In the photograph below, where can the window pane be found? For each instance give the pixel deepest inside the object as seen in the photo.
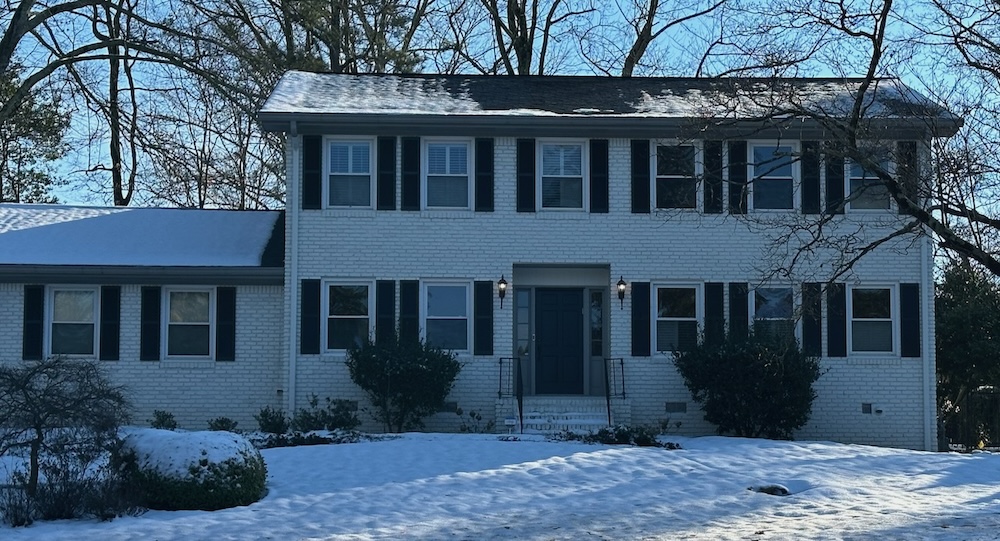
(772, 193)
(73, 306)
(437, 160)
(350, 190)
(72, 339)
(868, 194)
(675, 302)
(189, 307)
(448, 192)
(562, 192)
(871, 303)
(448, 333)
(458, 160)
(572, 160)
(360, 158)
(773, 303)
(188, 340)
(565, 160)
(675, 161)
(340, 158)
(551, 163)
(446, 301)
(772, 161)
(676, 335)
(673, 193)
(348, 300)
(774, 329)
(871, 335)
(342, 333)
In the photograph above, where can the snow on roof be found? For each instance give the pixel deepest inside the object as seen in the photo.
(68, 235)
(301, 92)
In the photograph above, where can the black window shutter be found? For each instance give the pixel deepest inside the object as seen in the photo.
(111, 306)
(812, 319)
(810, 177)
(310, 317)
(738, 177)
(907, 171)
(385, 311)
(739, 309)
(599, 175)
(526, 175)
(411, 173)
(715, 319)
(312, 171)
(909, 320)
(482, 307)
(409, 310)
(713, 177)
(641, 345)
(640, 178)
(149, 324)
(225, 324)
(34, 321)
(834, 181)
(836, 320)
(484, 175)
(386, 188)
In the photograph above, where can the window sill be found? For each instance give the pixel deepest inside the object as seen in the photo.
(568, 214)
(349, 213)
(461, 214)
(187, 364)
(873, 360)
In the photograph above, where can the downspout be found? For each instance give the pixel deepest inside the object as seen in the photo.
(292, 206)
(930, 381)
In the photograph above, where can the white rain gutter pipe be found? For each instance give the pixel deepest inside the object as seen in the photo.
(292, 182)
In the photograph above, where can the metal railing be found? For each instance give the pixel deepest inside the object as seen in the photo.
(614, 381)
(512, 385)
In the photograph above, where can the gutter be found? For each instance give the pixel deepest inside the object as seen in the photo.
(292, 288)
(140, 274)
(930, 383)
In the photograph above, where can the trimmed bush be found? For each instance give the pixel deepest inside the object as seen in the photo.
(164, 420)
(223, 424)
(272, 421)
(194, 470)
(337, 415)
(752, 386)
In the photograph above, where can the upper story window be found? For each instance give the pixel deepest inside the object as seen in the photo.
(73, 323)
(872, 326)
(677, 316)
(447, 175)
(350, 174)
(772, 312)
(562, 176)
(446, 319)
(866, 191)
(773, 183)
(189, 322)
(676, 181)
(348, 317)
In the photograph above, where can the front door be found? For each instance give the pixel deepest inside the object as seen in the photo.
(559, 347)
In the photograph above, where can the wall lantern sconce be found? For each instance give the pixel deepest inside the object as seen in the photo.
(501, 289)
(621, 291)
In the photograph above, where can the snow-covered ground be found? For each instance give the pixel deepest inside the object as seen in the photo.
(462, 486)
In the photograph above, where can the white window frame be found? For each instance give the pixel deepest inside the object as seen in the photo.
(165, 321)
(796, 302)
(584, 173)
(426, 143)
(325, 309)
(890, 167)
(795, 157)
(50, 294)
(699, 174)
(372, 173)
(699, 308)
(893, 319)
(424, 312)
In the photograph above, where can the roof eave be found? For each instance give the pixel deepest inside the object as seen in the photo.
(124, 274)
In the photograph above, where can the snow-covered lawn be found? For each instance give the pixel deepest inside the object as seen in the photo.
(463, 486)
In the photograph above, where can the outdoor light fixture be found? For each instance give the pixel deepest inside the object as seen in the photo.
(621, 291)
(501, 289)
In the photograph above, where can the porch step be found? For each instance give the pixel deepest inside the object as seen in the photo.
(549, 415)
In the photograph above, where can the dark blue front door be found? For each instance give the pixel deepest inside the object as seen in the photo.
(559, 341)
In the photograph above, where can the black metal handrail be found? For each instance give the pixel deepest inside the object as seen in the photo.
(614, 380)
(512, 385)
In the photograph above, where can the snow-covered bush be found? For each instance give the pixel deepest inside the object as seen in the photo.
(194, 470)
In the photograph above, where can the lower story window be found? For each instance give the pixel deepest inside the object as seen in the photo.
(74, 316)
(871, 320)
(189, 323)
(773, 313)
(446, 324)
(676, 318)
(348, 321)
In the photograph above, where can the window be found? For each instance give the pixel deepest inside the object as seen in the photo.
(447, 175)
(73, 324)
(189, 323)
(446, 323)
(350, 179)
(772, 316)
(348, 316)
(866, 189)
(871, 320)
(773, 180)
(562, 176)
(676, 184)
(676, 318)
